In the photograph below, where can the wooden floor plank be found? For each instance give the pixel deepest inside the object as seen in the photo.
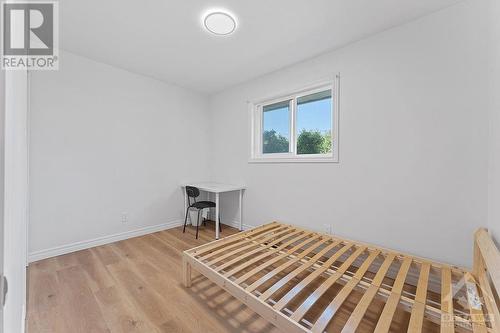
(144, 298)
(136, 286)
(133, 286)
(77, 298)
(105, 254)
(120, 314)
(45, 313)
(98, 276)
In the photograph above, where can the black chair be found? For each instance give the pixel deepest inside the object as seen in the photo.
(194, 192)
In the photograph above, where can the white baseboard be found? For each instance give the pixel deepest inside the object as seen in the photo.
(236, 224)
(82, 245)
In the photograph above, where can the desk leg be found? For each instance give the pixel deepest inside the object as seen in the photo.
(241, 210)
(216, 215)
(185, 204)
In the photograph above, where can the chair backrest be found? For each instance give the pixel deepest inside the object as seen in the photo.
(192, 192)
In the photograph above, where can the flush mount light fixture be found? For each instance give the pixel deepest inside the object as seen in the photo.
(219, 22)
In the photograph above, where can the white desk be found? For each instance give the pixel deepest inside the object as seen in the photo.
(217, 188)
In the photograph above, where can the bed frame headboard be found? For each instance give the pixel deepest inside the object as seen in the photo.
(486, 270)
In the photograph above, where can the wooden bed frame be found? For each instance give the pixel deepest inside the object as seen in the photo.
(304, 281)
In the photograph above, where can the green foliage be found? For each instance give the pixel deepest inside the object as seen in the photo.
(274, 143)
(314, 142)
(308, 142)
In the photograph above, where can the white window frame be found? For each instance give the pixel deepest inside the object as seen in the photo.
(256, 121)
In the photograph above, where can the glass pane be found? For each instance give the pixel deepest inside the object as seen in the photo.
(276, 128)
(314, 123)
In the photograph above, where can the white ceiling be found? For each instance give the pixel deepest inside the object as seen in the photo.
(165, 39)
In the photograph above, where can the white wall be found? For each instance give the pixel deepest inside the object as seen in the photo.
(494, 140)
(413, 144)
(106, 141)
(413, 140)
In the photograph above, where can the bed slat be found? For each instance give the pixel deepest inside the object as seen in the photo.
(304, 283)
(384, 322)
(246, 247)
(260, 248)
(200, 250)
(256, 238)
(270, 252)
(339, 299)
(303, 266)
(287, 264)
(279, 284)
(268, 263)
(313, 298)
(359, 312)
(418, 310)
(447, 322)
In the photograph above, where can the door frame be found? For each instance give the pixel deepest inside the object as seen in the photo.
(15, 197)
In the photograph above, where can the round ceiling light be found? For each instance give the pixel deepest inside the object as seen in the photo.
(219, 23)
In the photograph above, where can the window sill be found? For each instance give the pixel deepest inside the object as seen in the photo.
(259, 160)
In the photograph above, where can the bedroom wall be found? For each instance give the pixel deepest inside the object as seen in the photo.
(105, 141)
(494, 141)
(413, 140)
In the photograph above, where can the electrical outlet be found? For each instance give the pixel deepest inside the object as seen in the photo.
(327, 229)
(124, 217)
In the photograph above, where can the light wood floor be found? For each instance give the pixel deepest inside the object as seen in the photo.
(133, 286)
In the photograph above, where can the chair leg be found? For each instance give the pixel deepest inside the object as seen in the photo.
(198, 223)
(185, 221)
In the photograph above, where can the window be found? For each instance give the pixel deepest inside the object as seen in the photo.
(301, 127)
(276, 128)
(314, 123)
